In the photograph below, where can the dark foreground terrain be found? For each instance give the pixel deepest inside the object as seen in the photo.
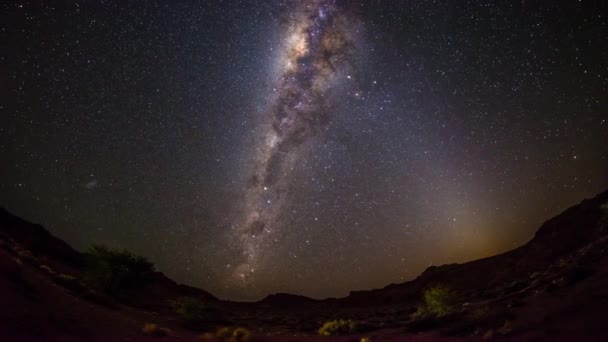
(555, 287)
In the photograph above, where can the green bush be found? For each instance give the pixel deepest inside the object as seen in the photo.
(118, 273)
(192, 311)
(438, 301)
(337, 327)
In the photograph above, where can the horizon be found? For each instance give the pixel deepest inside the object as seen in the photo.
(249, 300)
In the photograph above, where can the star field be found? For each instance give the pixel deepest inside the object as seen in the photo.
(312, 147)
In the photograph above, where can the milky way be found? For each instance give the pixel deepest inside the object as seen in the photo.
(317, 46)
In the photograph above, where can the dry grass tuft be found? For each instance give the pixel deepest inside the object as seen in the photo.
(238, 334)
(152, 329)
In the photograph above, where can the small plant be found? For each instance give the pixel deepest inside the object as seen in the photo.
(506, 328)
(438, 301)
(152, 329)
(488, 334)
(242, 334)
(223, 332)
(337, 327)
(238, 334)
(208, 336)
(192, 311)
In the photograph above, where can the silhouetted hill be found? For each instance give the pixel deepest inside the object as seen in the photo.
(287, 300)
(36, 239)
(558, 238)
(52, 251)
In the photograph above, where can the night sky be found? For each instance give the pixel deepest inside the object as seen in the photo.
(312, 147)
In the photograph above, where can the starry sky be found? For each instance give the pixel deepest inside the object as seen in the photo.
(312, 147)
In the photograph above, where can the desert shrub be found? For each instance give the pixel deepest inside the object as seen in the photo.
(337, 327)
(506, 328)
(193, 311)
(489, 334)
(152, 329)
(238, 334)
(242, 334)
(118, 273)
(208, 336)
(223, 332)
(438, 301)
